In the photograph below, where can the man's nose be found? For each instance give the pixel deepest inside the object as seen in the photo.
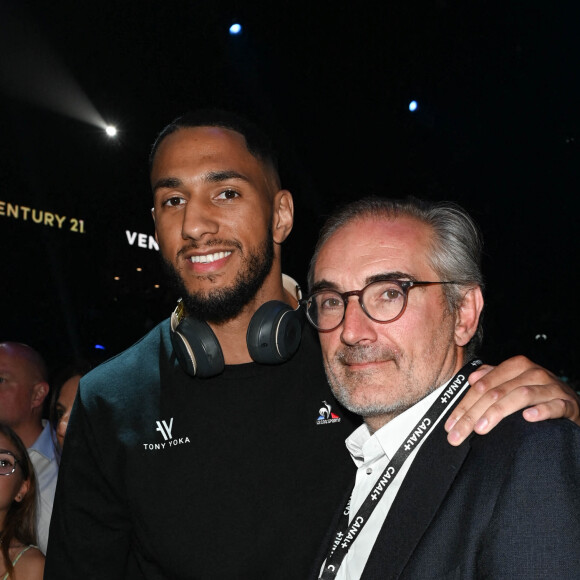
(357, 327)
(199, 219)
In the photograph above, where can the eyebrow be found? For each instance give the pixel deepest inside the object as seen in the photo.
(328, 285)
(217, 176)
(209, 177)
(167, 182)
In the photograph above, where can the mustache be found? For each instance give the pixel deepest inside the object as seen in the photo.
(360, 354)
(193, 245)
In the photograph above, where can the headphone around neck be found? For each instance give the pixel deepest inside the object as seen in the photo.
(273, 336)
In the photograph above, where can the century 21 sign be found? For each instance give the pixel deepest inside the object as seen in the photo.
(41, 217)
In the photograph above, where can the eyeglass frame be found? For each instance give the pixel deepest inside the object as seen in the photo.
(16, 460)
(405, 286)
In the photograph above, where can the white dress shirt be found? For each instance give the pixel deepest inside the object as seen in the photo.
(43, 457)
(371, 454)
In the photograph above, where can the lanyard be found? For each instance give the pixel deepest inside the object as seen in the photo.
(347, 533)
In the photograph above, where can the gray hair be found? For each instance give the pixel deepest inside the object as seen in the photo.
(455, 253)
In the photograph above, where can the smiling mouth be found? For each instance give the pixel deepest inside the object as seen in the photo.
(209, 258)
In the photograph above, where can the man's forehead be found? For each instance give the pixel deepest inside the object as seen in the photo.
(370, 245)
(16, 359)
(188, 147)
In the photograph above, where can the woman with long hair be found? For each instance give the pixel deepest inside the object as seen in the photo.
(20, 559)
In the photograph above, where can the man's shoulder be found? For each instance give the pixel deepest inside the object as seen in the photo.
(133, 366)
(519, 440)
(518, 429)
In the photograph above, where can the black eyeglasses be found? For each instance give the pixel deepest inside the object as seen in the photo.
(382, 301)
(7, 463)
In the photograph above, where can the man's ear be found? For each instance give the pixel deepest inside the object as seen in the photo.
(468, 316)
(39, 393)
(283, 217)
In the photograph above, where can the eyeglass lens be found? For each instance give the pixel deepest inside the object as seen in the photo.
(7, 463)
(382, 300)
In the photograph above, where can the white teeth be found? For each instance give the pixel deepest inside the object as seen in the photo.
(208, 258)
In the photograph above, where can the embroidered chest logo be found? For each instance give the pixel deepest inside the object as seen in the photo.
(166, 429)
(325, 415)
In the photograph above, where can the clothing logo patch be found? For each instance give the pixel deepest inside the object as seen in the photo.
(166, 429)
(325, 415)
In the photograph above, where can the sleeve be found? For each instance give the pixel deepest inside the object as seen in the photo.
(534, 531)
(90, 531)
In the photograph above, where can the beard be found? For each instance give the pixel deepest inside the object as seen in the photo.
(377, 392)
(223, 304)
(349, 387)
(344, 383)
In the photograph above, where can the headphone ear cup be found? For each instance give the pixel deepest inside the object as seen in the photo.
(274, 333)
(197, 348)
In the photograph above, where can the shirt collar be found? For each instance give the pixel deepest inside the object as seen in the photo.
(45, 442)
(364, 447)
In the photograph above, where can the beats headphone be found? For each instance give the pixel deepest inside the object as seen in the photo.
(273, 336)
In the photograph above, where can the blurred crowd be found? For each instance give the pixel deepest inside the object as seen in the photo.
(33, 422)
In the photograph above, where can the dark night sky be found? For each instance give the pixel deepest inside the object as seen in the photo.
(497, 130)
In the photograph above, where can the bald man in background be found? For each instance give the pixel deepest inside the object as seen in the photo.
(23, 389)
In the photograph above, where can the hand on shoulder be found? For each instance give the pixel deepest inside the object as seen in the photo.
(496, 392)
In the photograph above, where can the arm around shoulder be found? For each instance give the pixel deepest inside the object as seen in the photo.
(517, 383)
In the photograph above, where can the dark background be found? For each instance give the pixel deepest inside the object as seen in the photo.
(497, 131)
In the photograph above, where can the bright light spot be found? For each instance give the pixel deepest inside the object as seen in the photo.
(116, 278)
(541, 336)
(111, 130)
(156, 286)
(413, 106)
(235, 29)
(139, 269)
(99, 347)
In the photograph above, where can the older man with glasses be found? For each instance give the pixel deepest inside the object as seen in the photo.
(398, 351)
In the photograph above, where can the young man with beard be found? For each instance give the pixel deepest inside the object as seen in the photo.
(233, 472)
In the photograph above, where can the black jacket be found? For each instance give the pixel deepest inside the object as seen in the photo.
(168, 476)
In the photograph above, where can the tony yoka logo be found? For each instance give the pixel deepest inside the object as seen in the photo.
(325, 415)
(166, 430)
